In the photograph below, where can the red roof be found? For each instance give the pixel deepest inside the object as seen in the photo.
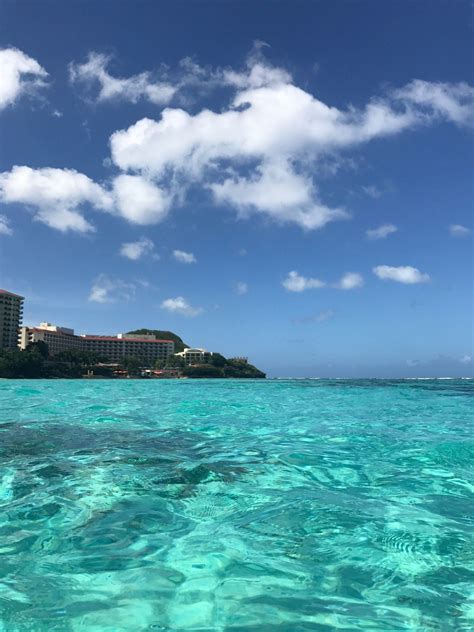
(11, 294)
(89, 337)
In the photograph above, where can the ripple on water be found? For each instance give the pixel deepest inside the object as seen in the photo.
(285, 505)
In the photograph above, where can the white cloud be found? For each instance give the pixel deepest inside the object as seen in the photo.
(277, 191)
(93, 73)
(381, 232)
(19, 75)
(184, 257)
(452, 102)
(109, 290)
(350, 281)
(457, 230)
(258, 72)
(372, 191)
(466, 359)
(140, 201)
(402, 274)
(241, 288)
(264, 153)
(55, 195)
(5, 228)
(134, 250)
(294, 282)
(180, 305)
(262, 123)
(162, 86)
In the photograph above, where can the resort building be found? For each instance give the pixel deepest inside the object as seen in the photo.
(11, 313)
(195, 356)
(57, 338)
(113, 348)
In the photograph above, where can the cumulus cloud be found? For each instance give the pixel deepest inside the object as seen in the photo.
(466, 359)
(350, 281)
(58, 196)
(19, 75)
(55, 195)
(401, 274)
(381, 232)
(134, 250)
(241, 288)
(5, 228)
(457, 230)
(180, 305)
(263, 154)
(277, 191)
(184, 257)
(93, 73)
(294, 282)
(140, 201)
(109, 290)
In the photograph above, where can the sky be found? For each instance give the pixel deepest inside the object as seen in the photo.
(289, 181)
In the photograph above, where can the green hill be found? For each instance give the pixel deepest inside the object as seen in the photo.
(219, 366)
(179, 345)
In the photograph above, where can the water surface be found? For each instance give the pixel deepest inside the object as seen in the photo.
(227, 505)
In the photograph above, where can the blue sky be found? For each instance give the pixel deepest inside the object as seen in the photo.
(285, 180)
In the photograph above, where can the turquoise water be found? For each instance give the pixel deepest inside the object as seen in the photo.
(226, 505)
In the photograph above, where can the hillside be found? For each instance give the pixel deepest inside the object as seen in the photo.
(229, 369)
(219, 365)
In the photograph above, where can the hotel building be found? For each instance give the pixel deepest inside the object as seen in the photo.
(57, 338)
(11, 313)
(113, 348)
(195, 356)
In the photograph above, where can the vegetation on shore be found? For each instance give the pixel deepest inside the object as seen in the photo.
(218, 366)
(35, 362)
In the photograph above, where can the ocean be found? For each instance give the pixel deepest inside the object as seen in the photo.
(233, 505)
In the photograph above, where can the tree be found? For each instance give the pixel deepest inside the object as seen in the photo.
(78, 357)
(132, 364)
(40, 346)
(160, 364)
(203, 370)
(21, 364)
(175, 362)
(218, 360)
